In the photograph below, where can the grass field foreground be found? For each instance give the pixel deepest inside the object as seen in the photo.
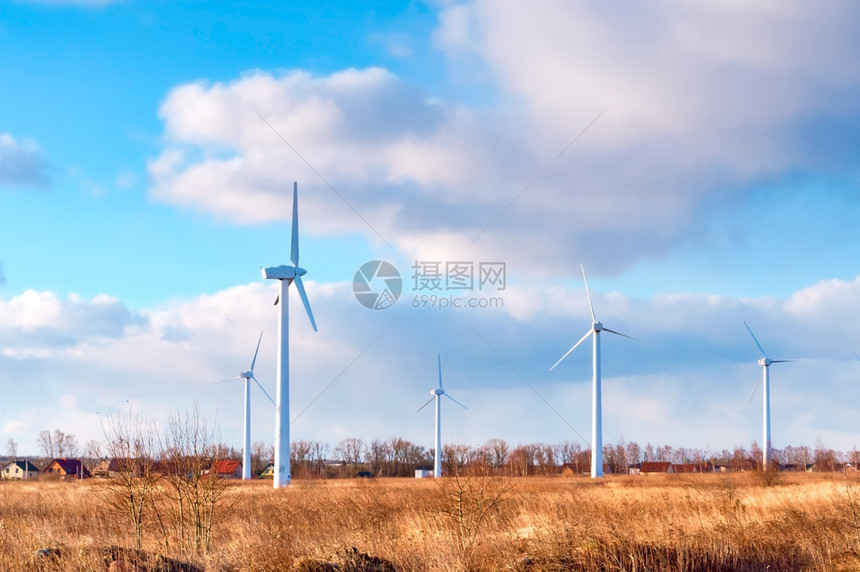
(666, 522)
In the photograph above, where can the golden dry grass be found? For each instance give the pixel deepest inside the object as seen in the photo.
(672, 522)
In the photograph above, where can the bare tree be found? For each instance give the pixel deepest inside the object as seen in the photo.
(300, 457)
(499, 451)
(188, 451)
(350, 452)
(46, 443)
(131, 440)
(94, 449)
(12, 448)
(320, 452)
(57, 444)
(260, 457)
(375, 456)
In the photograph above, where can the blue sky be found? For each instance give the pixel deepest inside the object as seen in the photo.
(699, 161)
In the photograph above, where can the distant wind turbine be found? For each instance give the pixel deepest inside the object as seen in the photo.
(764, 362)
(596, 405)
(437, 393)
(287, 275)
(246, 437)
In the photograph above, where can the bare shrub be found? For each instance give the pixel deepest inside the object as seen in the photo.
(190, 506)
(468, 502)
(130, 442)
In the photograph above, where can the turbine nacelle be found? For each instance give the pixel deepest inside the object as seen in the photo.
(597, 326)
(765, 361)
(247, 374)
(282, 272)
(438, 391)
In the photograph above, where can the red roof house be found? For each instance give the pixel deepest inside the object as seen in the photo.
(227, 469)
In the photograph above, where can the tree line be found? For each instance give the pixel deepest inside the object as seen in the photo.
(398, 457)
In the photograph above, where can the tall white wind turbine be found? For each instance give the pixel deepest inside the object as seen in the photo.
(437, 393)
(287, 275)
(246, 437)
(764, 362)
(596, 404)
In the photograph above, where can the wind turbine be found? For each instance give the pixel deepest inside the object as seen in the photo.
(437, 393)
(287, 275)
(246, 437)
(596, 405)
(764, 362)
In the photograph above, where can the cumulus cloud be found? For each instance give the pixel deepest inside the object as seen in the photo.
(365, 372)
(21, 162)
(696, 106)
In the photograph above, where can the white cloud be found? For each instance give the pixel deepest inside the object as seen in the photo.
(701, 103)
(686, 382)
(21, 162)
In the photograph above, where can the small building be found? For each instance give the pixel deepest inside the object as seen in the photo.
(100, 469)
(67, 469)
(703, 467)
(227, 469)
(423, 471)
(19, 470)
(655, 468)
(120, 466)
(268, 471)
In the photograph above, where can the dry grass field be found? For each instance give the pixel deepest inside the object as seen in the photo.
(671, 522)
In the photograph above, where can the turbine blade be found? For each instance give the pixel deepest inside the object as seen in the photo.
(253, 361)
(857, 356)
(226, 380)
(439, 358)
(781, 360)
(761, 349)
(264, 391)
(620, 334)
(754, 392)
(455, 401)
(301, 288)
(294, 253)
(571, 349)
(426, 404)
(587, 293)
(278, 299)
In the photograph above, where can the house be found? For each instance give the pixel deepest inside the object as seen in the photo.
(127, 466)
(691, 468)
(100, 470)
(268, 471)
(67, 468)
(19, 470)
(423, 471)
(655, 468)
(227, 469)
(571, 469)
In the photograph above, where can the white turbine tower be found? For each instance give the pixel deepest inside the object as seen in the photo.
(596, 404)
(287, 275)
(437, 393)
(764, 362)
(246, 437)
